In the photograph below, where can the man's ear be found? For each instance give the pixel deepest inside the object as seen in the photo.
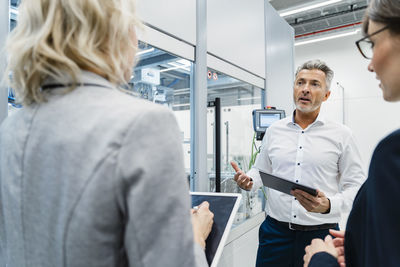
(327, 94)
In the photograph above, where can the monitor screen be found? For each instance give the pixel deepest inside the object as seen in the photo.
(266, 119)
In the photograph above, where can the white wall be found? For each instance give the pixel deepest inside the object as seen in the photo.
(176, 17)
(236, 33)
(242, 252)
(279, 61)
(366, 113)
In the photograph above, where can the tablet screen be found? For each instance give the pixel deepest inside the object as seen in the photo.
(283, 185)
(224, 208)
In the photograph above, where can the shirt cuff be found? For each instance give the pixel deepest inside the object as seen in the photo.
(323, 259)
(255, 175)
(336, 203)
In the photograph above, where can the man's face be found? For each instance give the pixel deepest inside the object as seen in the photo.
(310, 90)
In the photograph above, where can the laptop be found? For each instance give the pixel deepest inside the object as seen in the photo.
(224, 206)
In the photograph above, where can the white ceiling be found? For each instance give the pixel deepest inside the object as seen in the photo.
(340, 16)
(285, 4)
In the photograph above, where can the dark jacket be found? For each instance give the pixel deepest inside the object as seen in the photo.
(373, 228)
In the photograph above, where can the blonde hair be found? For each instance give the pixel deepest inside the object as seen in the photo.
(58, 38)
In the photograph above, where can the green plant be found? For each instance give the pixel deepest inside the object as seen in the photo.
(254, 152)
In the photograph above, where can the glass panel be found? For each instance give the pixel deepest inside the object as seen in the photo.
(238, 100)
(165, 79)
(159, 77)
(13, 10)
(14, 3)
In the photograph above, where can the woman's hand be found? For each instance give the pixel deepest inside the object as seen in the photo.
(319, 245)
(338, 242)
(202, 221)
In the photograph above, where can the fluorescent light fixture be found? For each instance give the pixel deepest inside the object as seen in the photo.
(249, 98)
(181, 93)
(145, 51)
(184, 62)
(181, 105)
(326, 38)
(305, 8)
(14, 10)
(175, 68)
(181, 90)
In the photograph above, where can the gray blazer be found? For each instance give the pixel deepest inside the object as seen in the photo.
(94, 177)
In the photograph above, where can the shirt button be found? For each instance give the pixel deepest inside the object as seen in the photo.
(301, 147)
(295, 198)
(298, 163)
(297, 181)
(294, 216)
(302, 131)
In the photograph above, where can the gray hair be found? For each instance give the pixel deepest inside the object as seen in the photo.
(317, 64)
(383, 11)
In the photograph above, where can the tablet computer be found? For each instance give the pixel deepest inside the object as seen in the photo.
(224, 206)
(283, 185)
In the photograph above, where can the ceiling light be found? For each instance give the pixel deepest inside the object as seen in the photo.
(327, 38)
(174, 68)
(181, 90)
(145, 51)
(305, 8)
(181, 105)
(248, 98)
(184, 62)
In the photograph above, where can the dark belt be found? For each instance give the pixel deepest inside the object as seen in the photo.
(298, 227)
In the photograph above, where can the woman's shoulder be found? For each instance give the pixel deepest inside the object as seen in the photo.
(392, 140)
(388, 150)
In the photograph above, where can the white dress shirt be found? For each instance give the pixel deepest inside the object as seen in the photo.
(323, 156)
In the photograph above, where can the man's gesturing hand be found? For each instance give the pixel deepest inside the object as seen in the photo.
(243, 181)
(319, 204)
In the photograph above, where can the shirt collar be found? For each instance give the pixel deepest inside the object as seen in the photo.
(319, 120)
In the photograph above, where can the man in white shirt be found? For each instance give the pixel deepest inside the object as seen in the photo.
(310, 150)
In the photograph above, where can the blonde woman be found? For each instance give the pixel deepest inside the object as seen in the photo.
(89, 176)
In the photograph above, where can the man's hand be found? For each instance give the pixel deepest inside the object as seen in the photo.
(243, 181)
(338, 242)
(319, 245)
(319, 204)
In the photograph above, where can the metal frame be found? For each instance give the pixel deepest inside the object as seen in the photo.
(162, 40)
(198, 102)
(4, 29)
(234, 71)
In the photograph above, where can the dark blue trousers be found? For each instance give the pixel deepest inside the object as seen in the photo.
(279, 246)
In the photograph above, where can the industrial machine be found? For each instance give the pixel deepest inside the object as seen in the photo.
(263, 118)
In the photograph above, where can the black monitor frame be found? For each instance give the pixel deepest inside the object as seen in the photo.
(257, 114)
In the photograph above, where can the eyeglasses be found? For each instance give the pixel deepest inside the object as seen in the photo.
(366, 46)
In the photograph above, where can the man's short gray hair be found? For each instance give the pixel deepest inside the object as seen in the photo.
(317, 64)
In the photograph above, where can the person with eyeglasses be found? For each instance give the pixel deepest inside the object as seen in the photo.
(372, 236)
